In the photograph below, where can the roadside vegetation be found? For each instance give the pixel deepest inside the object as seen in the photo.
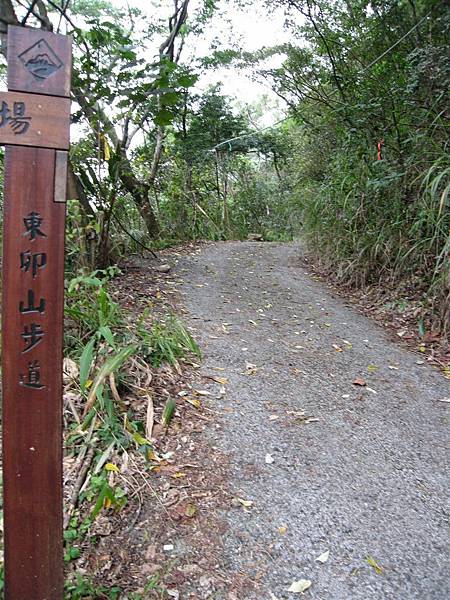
(366, 87)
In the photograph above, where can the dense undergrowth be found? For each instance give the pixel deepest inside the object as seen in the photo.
(359, 167)
(110, 410)
(383, 228)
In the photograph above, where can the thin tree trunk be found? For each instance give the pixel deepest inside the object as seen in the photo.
(140, 192)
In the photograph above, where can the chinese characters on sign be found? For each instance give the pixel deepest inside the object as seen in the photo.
(31, 262)
(18, 121)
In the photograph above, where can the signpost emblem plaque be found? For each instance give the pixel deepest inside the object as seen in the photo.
(40, 60)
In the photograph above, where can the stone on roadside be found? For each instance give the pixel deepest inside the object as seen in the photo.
(255, 237)
(163, 268)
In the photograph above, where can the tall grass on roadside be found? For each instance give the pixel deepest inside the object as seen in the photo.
(380, 223)
(111, 356)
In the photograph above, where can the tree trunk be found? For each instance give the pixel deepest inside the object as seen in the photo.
(140, 192)
(148, 216)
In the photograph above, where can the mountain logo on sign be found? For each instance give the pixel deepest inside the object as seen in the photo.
(40, 60)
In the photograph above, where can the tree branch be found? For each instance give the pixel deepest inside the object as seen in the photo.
(180, 16)
(7, 17)
(43, 16)
(29, 12)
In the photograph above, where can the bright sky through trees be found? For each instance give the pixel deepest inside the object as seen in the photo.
(249, 29)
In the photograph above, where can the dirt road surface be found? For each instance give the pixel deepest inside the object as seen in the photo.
(359, 471)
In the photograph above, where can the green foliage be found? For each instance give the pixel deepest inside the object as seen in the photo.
(91, 309)
(221, 179)
(104, 341)
(169, 411)
(151, 585)
(350, 86)
(166, 341)
(107, 496)
(82, 588)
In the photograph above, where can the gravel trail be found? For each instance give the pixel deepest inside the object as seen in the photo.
(359, 471)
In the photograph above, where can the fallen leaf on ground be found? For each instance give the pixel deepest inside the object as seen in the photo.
(300, 586)
(273, 417)
(269, 459)
(194, 401)
(306, 420)
(282, 529)
(191, 510)
(323, 557)
(337, 348)
(112, 467)
(163, 268)
(359, 381)
(373, 563)
(222, 392)
(372, 368)
(444, 400)
(221, 380)
(70, 369)
(245, 503)
(202, 392)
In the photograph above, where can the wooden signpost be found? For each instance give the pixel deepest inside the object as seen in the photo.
(34, 125)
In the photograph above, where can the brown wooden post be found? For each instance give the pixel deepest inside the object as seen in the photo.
(34, 123)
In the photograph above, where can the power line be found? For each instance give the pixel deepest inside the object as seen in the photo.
(396, 43)
(244, 135)
(374, 62)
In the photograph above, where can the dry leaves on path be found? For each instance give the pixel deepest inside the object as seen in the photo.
(375, 566)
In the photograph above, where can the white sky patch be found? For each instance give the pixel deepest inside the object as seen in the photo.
(249, 29)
